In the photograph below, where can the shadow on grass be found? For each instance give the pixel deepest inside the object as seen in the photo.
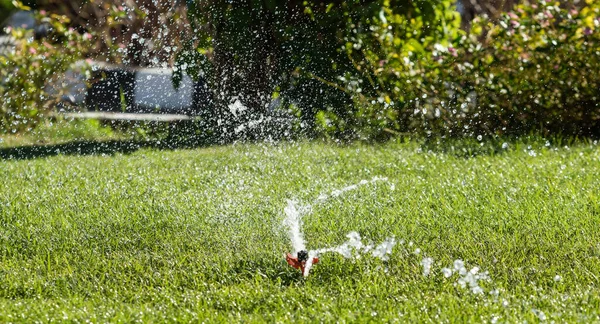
(465, 148)
(468, 147)
(90, 148)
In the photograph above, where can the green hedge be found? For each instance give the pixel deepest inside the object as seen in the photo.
(371, 69)
(253, 51)
(34, 64)
(366, 69)
(533, 70)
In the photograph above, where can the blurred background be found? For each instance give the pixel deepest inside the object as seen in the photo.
(341, 69)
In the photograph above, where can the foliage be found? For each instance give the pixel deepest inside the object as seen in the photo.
(135, 33)
(27, 72)
(6, 7)
(396, 67)
(372, 69)
(532, 70)
(250, 50)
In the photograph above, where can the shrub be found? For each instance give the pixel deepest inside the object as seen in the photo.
(397, 68)
(34, 64)
(536, 69)
(6, 7)
(249, 50)
(532, 70)
(135, 33)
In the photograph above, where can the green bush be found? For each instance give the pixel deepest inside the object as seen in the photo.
(534, 70)
(397, 68)
(6, 7)
(134, 33)
(26, 71)
(250, 50)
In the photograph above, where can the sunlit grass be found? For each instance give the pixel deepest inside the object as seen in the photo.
(194, 235)
(56, 131)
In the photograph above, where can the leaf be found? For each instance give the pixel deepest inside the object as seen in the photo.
(329, 7)
(415, 46)
(19, 5)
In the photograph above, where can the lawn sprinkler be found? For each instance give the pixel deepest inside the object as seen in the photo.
(304, 259)
(299, 262)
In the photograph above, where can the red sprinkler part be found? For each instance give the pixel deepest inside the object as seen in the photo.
(300, 261)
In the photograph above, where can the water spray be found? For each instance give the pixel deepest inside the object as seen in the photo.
(304, 259)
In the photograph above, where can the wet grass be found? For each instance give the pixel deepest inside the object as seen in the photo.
(196, 235)
(54, 131)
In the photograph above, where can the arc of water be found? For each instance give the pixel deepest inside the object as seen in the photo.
(293, 221)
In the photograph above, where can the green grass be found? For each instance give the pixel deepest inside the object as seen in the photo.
(197, 235)
(57, 131)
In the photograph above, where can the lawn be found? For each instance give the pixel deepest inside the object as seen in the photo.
(153, 234)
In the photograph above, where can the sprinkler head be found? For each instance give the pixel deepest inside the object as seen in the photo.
(303, 256)
(300, 261)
